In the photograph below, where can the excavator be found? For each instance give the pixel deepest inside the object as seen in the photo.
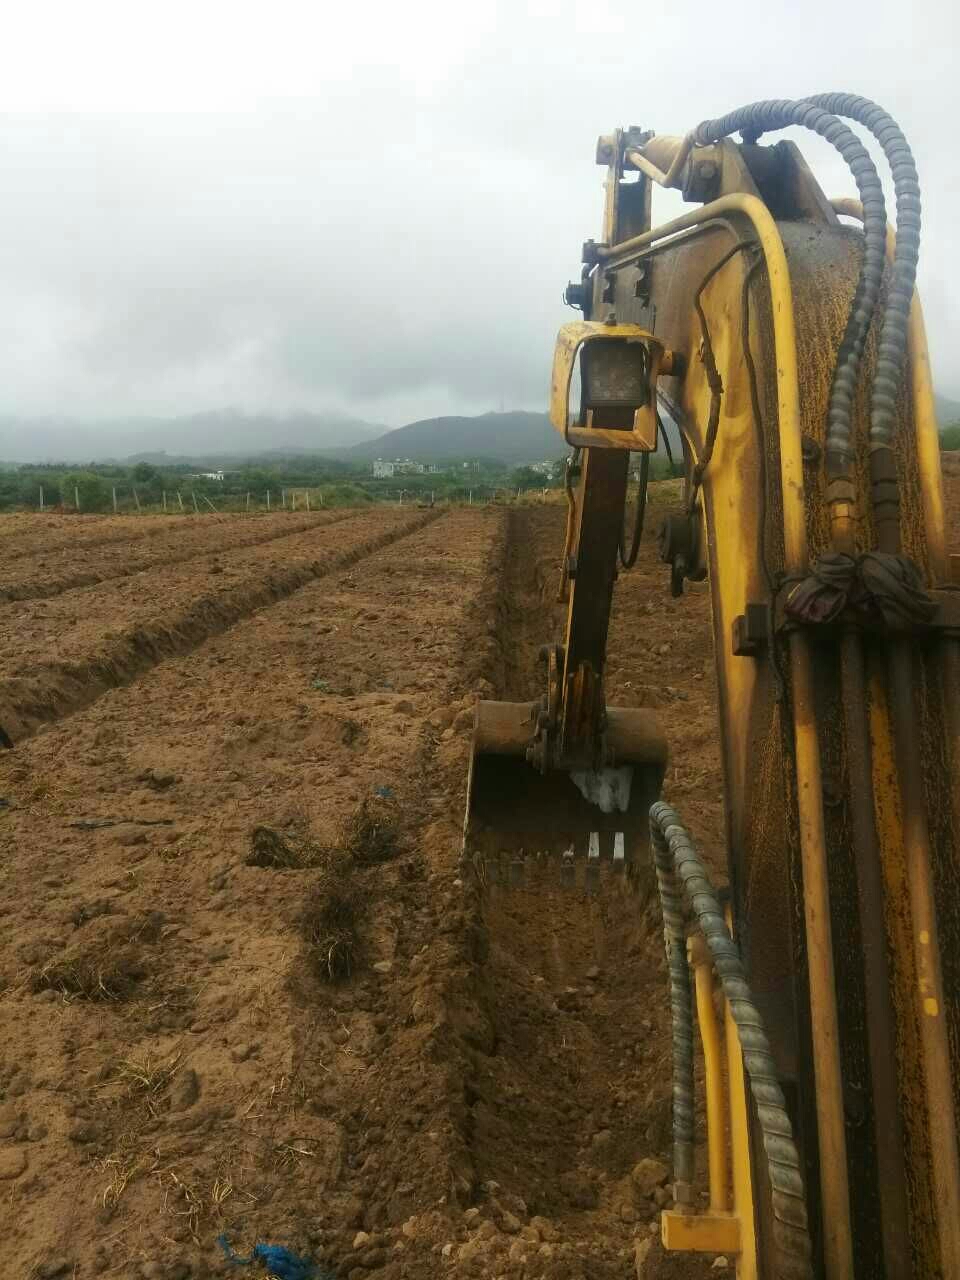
(780, 332)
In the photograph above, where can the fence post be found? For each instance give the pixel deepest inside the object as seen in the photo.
(196, 505)
(307, 496)
(293, 499)
(470, 498)
(41, 497)
(268, 499)
(248, 501)
(164, 499)
(114, 487)
(76, 496)
(321, 497)
(179, 499)
(135, 498)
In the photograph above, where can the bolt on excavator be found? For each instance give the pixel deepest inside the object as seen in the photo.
(780, 332)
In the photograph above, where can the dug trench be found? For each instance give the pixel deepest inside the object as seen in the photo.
(563, 1027)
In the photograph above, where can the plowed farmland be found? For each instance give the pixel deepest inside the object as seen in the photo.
(243, 993)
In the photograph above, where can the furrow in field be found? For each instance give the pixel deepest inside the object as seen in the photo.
(27, 534)
(288, 1091)
(50, 573)
(97, 638)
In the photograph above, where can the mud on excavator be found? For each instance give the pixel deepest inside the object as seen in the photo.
(780, 332)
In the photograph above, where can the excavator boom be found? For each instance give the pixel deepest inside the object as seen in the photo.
(779, 333)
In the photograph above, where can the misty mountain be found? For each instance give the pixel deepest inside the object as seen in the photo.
(222, 432)
(512, 437)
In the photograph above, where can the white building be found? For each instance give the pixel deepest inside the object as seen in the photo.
(382, 470)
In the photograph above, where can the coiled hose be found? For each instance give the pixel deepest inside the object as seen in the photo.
(761, 117)
(680, 871)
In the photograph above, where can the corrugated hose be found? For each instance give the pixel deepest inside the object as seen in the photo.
(681, 873)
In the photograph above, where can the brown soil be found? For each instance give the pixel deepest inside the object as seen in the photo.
(242, 988)
(51, 570)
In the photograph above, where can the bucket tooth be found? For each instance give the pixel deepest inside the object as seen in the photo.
(618, 852)
(592, 876)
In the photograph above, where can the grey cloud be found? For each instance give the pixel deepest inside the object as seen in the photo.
(395, 240)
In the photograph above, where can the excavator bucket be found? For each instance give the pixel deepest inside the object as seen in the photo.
(573, 828)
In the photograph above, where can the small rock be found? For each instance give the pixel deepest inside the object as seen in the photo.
(641, 1251)
(84, 1132)
(37, 1132)
(383, 966)
(447, 735)
(10, 1119)
(719, 1263)
(648, 1175)
(447, 1250)
(13, 1162)
(411, 1227)
(470, 1216)
(404, 707)
(545, 1229)
(185, 1090)
(593, 973)
(662, 1197)
(518, 1251)
(360, 1239)
(57, 1266)
(510, 1222)
(545, 1251)
(628, 1213)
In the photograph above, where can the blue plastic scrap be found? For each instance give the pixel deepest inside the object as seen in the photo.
(277, 1260)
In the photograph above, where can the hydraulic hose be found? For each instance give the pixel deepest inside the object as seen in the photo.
(679, 868)
(629, 558)
(896, 311)
(761, 117)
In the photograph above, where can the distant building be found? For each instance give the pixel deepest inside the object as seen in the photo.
(207, 475)
(399, 467)
(543, 468)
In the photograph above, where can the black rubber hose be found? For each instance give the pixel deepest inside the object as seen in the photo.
(629, 558)
(761, 117)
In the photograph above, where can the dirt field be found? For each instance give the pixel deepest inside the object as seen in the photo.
(242, 990)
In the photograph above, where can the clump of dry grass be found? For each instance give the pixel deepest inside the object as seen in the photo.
(370, 835)
(105, 973)
(269, 849)
(329, 922)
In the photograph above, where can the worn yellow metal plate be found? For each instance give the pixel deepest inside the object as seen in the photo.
(700, 1232)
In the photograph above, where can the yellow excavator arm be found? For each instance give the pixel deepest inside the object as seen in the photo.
(780, 333)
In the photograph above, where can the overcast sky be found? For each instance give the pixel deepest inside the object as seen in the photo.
(374, 207)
